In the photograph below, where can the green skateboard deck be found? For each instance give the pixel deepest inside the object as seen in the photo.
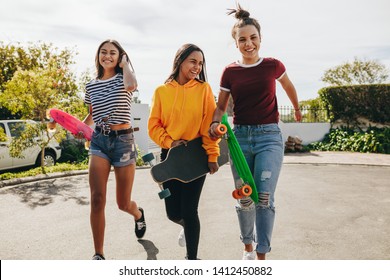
(239, 160)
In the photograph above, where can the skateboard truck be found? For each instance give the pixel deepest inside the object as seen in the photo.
(243, 191)
(150, 159)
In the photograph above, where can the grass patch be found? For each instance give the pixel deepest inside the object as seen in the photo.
(59, 167)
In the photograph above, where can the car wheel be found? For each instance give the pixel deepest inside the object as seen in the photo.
(49, 159)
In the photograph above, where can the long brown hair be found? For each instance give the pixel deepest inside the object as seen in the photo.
(180, 56)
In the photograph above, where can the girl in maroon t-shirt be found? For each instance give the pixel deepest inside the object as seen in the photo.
(252, 84)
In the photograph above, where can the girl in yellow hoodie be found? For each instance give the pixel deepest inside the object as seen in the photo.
(182, 110)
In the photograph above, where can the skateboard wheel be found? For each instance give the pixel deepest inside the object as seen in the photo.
(164, 194)
(246, 190)
(236, 194)
(221, 129)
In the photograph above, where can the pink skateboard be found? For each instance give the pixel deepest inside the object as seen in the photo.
(71, 123)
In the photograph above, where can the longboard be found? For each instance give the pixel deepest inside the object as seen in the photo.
(187, 162)
(239, 160)
(71, 123)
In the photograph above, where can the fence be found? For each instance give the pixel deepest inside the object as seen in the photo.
(309, 115)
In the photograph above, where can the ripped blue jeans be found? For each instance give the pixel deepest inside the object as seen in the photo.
(262, 146)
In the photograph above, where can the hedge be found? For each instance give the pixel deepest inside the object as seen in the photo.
(348, 103)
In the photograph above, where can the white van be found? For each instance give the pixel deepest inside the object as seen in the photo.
(31, 156)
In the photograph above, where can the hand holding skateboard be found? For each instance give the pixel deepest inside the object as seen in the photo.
(185, 162)
(79, 129)
(72, 124)
(217, 130)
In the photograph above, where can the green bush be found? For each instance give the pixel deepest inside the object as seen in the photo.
(348, 103)
(73, 151)
(139, 160)
(374, 140)
(59, 167)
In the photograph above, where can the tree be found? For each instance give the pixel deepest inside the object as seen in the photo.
(40, 80)
(41, 55)
(3, 136)
(15, 57)
(358, 72)
(312, 110)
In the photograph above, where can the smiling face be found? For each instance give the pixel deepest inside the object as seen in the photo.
(190, 67)
(248, 42)
(108, 56)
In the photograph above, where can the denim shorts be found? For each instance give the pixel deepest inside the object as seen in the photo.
(118, 150)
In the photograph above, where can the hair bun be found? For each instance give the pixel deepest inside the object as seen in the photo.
(243, 19)
(241, 14)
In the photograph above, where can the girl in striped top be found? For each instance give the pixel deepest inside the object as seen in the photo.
(109, 99)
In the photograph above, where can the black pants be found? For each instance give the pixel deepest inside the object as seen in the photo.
(182, 208)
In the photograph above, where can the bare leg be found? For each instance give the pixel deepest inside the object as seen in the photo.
(260, 256)
(124, 186)
(248, 247)
(99, 170)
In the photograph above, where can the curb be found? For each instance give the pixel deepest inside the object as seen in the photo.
(41, 177)
(335, 163)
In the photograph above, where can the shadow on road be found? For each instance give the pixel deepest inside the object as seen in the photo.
(150, 248)
(44, 193)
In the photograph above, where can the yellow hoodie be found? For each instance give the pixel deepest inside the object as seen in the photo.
(183, 112)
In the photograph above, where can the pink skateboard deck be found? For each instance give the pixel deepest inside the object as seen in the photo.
(71, 123)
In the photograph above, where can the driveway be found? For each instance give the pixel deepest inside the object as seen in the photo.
(324, 212)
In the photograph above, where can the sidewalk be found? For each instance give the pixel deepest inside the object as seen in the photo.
(347, 158)
(338, 158)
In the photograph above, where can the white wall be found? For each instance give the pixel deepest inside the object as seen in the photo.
(308, 132)
(140, 115)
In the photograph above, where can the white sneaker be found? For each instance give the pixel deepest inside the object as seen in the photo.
(249, 255)
(182, 238)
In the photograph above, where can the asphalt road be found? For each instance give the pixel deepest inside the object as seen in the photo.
(324, 212)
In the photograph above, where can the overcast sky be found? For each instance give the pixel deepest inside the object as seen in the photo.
(308, 36)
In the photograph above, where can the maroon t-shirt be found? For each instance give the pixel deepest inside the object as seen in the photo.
(253, 88)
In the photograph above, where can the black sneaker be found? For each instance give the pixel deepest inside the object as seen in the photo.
(98, 257)
(140, 225)
(186, 258)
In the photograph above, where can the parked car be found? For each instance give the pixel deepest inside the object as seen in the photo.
(32, 155)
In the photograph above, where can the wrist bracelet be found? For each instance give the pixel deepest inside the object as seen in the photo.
(214, 122)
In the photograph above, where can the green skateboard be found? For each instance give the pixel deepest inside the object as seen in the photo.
(249, 187)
